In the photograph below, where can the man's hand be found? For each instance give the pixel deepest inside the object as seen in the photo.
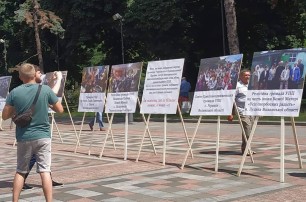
(230, 118)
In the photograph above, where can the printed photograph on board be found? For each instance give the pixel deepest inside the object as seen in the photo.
(276, 83)
(56, 81)
(4, 86)
(278, 69)
(218, 73)
(216, 85)
(125, 78)
(94, 79)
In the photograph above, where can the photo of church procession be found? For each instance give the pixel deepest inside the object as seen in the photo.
(152, 100)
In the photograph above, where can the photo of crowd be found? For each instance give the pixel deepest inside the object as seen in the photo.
(282, 69)
(4, 86)
(94, 79)
(125, 78)
(56, 81)
(219, 73)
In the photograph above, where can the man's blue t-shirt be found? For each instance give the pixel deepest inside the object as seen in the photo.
(21, 98)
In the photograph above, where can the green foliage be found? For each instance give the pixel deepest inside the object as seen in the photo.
(46, 19)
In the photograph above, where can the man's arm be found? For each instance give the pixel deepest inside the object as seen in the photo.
(57, 107)
(8, 112)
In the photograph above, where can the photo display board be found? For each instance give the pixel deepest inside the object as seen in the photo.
(216, 85)
(276, 84)
(161, 87)
(56, 81)
(123, 88)
(93, 89)
(5, 82)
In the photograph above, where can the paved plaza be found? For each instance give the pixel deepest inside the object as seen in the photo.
(111, 178)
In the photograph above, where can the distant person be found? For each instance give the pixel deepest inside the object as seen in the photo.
(240, 98)
(184, 91)
(36, 137)
(99, 120)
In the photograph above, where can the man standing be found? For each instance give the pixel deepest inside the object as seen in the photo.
(36, 137)
(39, 77)
(241, 91)
(184, 90)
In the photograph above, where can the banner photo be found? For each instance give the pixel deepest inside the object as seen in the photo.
(276, 84)
(93, 89)
(215, 88)
(56, 81)
(5, 82)
(123, 88)
(161, 87)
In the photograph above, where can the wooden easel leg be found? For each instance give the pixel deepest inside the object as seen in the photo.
(143, 136)
(184, 128)
(297, 147)
(79, 136)
(165, 140)
(282, 151)
(247, 149)
(191, 142)
(108, 131)
(76, 135)
(111, 132)
(217, 144)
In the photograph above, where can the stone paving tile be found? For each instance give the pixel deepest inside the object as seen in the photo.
(89, 178)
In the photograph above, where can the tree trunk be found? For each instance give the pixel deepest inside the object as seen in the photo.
(231, 25)
(37, 38)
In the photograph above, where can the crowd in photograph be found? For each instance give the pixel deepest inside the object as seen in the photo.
(279, 75)
(222, 77)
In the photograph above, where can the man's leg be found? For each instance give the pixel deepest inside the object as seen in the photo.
(18, 184)
(247, 122)
(47, 185)
(32, 162)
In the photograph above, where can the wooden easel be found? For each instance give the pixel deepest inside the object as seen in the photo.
(282, 147)
(53, 121)
(217, 140)
(165, 135)
(81, 129)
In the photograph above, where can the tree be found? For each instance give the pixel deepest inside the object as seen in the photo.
(31, 12)
(231, 25)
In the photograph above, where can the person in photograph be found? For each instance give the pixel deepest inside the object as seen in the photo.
(285, 75)
(101, 80)
(36, 137)
(220, 83)
(118, 80)
(301, 66)
(87, 85)
(263, 80)
(212, 83)
(272, 71)
(240, 98)
(295, 76)
(255, 77)
(279, 69)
